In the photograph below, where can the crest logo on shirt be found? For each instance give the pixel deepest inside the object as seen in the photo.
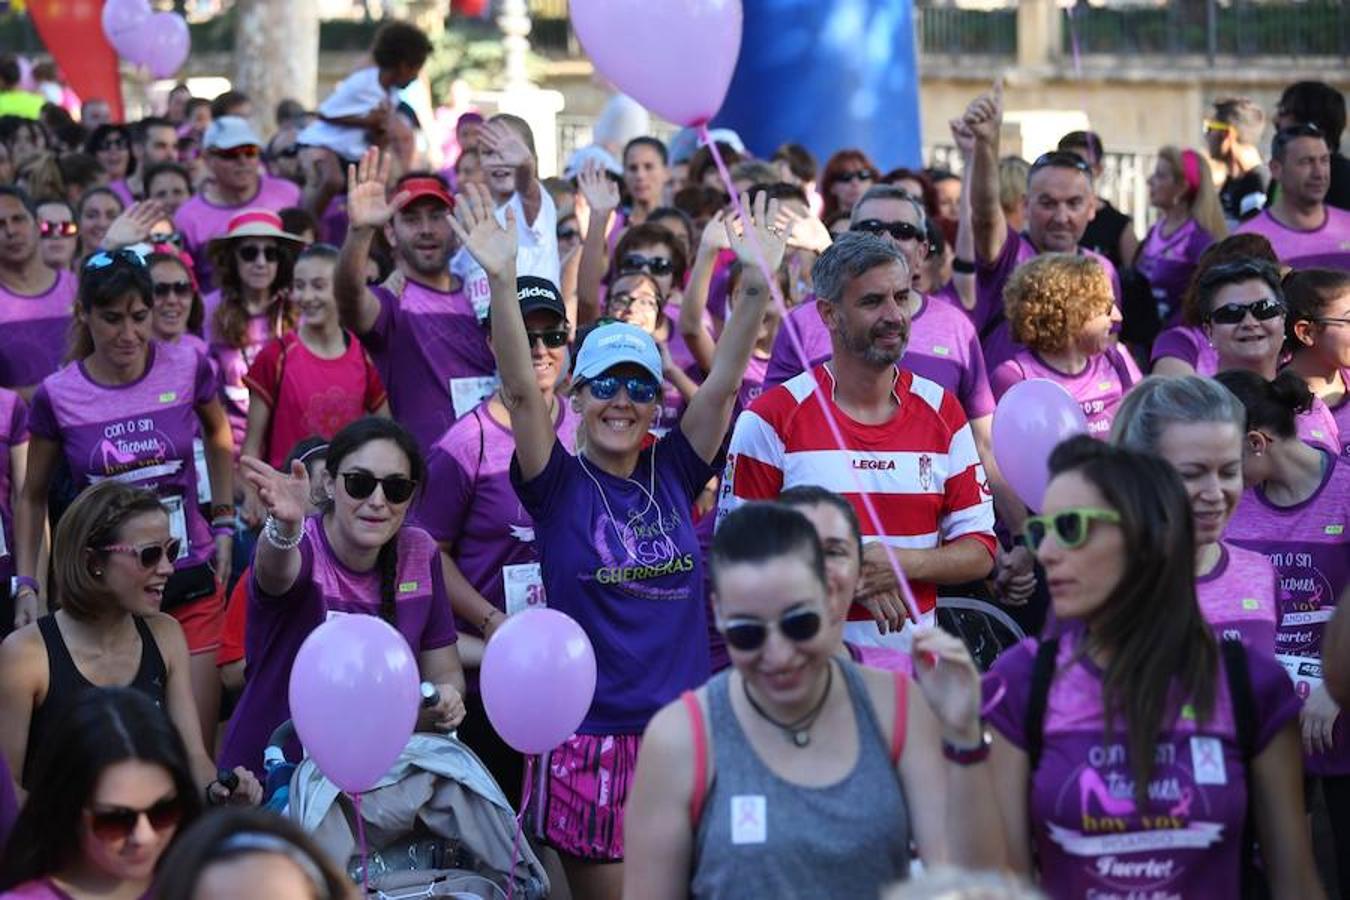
(925, 471)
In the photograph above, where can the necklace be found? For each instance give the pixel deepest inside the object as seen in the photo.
(626, 541)
(797, 731)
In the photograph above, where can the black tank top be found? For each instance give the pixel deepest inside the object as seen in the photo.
(65, 683)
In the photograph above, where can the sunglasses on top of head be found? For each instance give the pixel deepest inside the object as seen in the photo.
(640, 388)
(1060, 159)
(1071, 527)
(249, 253)
(104, 258)
(117, 823)
(1233, 313)
(58, 229)
(901, 231)
(148, 555)
(360, 485)
(748, 635)
(652, 265)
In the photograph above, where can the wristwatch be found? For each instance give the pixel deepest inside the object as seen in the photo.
(969, 756)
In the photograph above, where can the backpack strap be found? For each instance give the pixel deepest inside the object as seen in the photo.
(1234, 655)
(700, 791)
(1042, 671)
(901, 717)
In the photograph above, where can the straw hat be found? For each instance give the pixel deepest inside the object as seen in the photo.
(256, 223)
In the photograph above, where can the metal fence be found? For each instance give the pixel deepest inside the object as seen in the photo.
(954, 31)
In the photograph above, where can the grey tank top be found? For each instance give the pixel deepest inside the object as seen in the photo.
(762, 836)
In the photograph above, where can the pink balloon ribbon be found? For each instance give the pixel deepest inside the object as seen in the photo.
(527, 781)
(361, 840)
(906, 594)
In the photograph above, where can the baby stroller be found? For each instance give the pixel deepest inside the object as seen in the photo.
(436, 825)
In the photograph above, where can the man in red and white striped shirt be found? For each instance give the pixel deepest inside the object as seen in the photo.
(908, 445)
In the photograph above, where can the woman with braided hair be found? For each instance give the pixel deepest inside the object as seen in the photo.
(355, 557)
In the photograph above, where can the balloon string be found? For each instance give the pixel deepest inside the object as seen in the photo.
(361, 839)
(911, 606)
(526, 784)
(1000, 688)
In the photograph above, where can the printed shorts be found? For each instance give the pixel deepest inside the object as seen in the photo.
(580, 789)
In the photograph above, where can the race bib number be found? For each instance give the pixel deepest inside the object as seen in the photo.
(177, 524)
(466, 393)
(203, 476)
(1304, 671)
(524, 587)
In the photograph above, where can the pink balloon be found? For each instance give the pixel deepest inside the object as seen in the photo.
(675, 57)
(161, 43)
(1029, 421)
(123, 18)
(354, 696)
(538, 679)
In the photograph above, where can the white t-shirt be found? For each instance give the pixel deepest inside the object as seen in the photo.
(358, 94)
(537, 253)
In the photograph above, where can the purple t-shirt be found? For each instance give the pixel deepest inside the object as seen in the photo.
(752, 384)
(1325, 247)
(123, 192)
(1318, 427)
(325, 588)
(1090, 840)
(35, 330)
(1168, 261)
(620, 556)
(13, 431)
(199, 220)
(1240, 597)
(433, 357)
(1099, 388)
(1309, 547)
(139, 433)
(943, 347)
(232, 363)
(990, 278)
(333, 223)
(1341, 413)
(470, 505)
(1188, 344)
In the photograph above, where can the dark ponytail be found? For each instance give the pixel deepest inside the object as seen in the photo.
(1273, 405)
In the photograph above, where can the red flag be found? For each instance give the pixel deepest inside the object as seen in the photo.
(73, 32)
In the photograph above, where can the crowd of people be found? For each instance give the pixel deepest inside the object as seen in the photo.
(744, 439)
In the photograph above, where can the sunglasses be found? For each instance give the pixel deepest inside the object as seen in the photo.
(58, 229)
(104, 258)
(640, 388)
(250, 253)
(360, 485)
(567, 234)
(166, 237)
(1233, 313)
(620, 302)
(148, 555)
(288, 153)
(552, 339)
(117, 823)
(1213, 125)
(1071, 527)
(858, 175)
(112, 144)
(901, 231)
(1060, 159)
(165, 289)
(747, 635)
(247, 151)
(652, 265)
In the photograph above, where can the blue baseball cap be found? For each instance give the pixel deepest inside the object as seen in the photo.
(614, 344)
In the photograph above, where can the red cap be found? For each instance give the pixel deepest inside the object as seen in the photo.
(417, 188)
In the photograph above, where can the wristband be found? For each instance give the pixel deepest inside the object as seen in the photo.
(969, 756)
(23, 581)
(222, 530)
(963, 266)
(487, 620)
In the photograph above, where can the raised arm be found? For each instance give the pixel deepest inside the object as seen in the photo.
(709, 413)
(602, 195)
(984, 118)
(276, 562)
(694, 301)
(494, 247)
(368, 209)
(965, 229)
(133, 225)
(500, 138)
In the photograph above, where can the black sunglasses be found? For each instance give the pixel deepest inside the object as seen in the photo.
(856, 175)
(165, 288)
(1233, 313)
(117, 823)
(249, 253)
(112, 144)
(552, 339)
(567, 234)
(901, 231)
(104, 258)
(747, 635)
(652, 265)
(360, 485)
(1060, 159)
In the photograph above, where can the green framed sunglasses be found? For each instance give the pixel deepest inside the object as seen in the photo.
(1071, 526)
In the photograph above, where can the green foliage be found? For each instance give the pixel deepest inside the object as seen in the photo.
(471, 49)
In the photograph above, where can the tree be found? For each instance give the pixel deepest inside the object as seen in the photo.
(276, 55)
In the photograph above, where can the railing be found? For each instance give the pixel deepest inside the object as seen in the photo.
(949, 30)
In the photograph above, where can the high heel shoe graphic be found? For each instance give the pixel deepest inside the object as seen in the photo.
(115, 460)
(1090, 784)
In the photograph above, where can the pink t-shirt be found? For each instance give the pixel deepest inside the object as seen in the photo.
(1319, 427)
(199, 220)
(123, 191)
(1099, 388)
(1240, 597)
(35, 330)
(232, 364)
(1325, 247)
(1188, 344)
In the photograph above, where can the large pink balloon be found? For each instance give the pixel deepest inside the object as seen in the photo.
(538, 679)
(1030, 419)
(161, 43)
(122, 19)
(675, 57)
(354, 695)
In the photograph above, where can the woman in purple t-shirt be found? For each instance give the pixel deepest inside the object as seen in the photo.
(356, 557)
(1061, 307)
(13, 465)
(617, 548)
(1197, 425)
(1119, 762)
(178, 312)
(1318, 335)
(98, 208)
(1180, 188)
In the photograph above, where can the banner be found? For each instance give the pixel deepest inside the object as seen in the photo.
(73, 33)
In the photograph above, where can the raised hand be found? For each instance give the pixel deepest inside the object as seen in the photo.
(809, 233)
(500, 140)
(770, 224)
(487, 240)
(984, 115)
(950, 681)
(714, 236)
(134, 224)
(368, 205)
(962, 136)
(600, 191)
(285, 496)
